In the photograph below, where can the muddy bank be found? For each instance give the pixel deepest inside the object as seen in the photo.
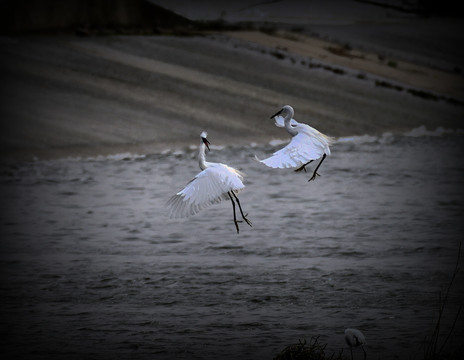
(74, 96)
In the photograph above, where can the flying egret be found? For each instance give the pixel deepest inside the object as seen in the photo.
(215, 183)
(307, 144)
(354, 338)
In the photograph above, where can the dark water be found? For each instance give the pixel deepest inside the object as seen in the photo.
(92, 267)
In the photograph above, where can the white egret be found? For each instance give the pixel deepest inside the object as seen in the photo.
(215, 183)
(307, 144)
(354, 338)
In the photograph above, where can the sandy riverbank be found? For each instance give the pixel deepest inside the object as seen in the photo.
(405, 73)
(71, 96)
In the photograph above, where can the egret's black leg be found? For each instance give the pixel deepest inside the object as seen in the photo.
(235, 217)
(303, 167)
(244, 217)
(351, 350)
(317, 167)
(365, 355)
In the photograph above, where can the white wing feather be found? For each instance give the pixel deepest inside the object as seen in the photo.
(309, 144)
(207, 188)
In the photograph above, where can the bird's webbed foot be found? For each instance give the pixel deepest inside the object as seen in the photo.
(246, 220)
(244, 217)
(315, 174)
(236, 226)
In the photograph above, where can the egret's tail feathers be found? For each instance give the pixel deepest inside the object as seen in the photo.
(331, 140)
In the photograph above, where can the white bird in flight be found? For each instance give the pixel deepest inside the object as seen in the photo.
(307, 144)
(215, 183)
(354, 338)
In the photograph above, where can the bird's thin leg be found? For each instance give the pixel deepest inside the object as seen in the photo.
(351, 350)
(303, 167)
(235, 217)
(365, 355)
(317, 167)
(244, 217)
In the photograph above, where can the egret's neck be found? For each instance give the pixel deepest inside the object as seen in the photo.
(290, 129)
(201, 157)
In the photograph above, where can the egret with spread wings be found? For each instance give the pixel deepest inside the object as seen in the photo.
(215, 183)
(307, 144)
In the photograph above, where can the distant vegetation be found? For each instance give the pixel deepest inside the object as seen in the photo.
(303, 351)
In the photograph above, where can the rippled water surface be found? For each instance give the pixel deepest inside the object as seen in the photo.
(93, 268)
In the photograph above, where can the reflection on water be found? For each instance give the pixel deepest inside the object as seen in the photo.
(93, 267)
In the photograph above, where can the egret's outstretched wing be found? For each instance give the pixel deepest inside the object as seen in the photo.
(309, 144)
(207, 188)
(280, 122)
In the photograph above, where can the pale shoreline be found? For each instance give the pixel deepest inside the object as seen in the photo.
(68, 96)
(394, 70)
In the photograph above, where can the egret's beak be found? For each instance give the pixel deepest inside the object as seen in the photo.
(206, 142)
(277, 113)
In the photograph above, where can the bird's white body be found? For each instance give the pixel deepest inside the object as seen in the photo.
(215, 183)
(354, 337)
(210, 186)
(307, 143)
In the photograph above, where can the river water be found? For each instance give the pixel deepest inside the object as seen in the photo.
(93, 268)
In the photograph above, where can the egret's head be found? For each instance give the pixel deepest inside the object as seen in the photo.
(203, 135)
(286, 110)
